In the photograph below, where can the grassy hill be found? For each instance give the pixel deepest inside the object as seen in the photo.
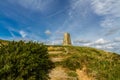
(83, 63)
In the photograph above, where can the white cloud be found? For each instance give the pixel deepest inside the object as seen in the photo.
(77, 13)
(113, 46)
(111, 23)
(81, 10)
(112, 31)
(12, 34)
(39, 5)
(54, 42)
(108, 22)
(88, 44)
(23, 34)
(78, 10)
(101, 41)
(12, 31)
(82, 41)
(117, 39)
(106, 7)
(48, 32)
(110, 10)
(100, 44)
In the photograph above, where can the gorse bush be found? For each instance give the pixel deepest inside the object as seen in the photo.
(24, 61)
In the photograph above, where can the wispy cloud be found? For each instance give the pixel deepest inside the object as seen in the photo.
(112, 31)
(11, 31)
(101, 41)
(81, 41)
(106, 7)
(12, 34)
(98, 42)
(37, 5)
(48, 32)
(110, 9)
(109, 45)
(23, 33)
(117, 39)
(77, 14)
(90, 22)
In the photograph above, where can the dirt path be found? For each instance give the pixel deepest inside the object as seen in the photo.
(55, 52)
(58, 73)
(57, 59)
(82, 75)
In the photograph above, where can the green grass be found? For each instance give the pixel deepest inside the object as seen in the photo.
(100, 64)
(72, 74)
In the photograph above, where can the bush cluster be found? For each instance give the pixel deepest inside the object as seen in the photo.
(24, 61)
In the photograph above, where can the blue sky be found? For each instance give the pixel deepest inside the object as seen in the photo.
(94, 23)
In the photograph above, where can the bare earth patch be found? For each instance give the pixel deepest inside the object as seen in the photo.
(58, 73)
(56, 59)
(55, 52)
(82, 75)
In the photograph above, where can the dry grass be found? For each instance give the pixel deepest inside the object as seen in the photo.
(58, 73)
(100, 65)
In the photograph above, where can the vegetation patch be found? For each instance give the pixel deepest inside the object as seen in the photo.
(57, 48)
(72, 74)
(24, 61)
(99, 64)
(73, 62)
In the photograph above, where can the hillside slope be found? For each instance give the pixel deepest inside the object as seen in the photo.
(83, 63)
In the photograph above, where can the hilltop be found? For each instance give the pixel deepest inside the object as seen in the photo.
(83, 63)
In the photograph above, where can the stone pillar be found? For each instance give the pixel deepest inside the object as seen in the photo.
(67, 39)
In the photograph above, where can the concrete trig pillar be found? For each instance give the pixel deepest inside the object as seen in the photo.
(67, 39)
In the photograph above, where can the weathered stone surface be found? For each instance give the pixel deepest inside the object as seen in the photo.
(67, 39)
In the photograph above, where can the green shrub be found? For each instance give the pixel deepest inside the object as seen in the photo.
(72, 74)
(73, 62)
(24, 61)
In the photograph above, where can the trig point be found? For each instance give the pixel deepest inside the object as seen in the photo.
(67, 39)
